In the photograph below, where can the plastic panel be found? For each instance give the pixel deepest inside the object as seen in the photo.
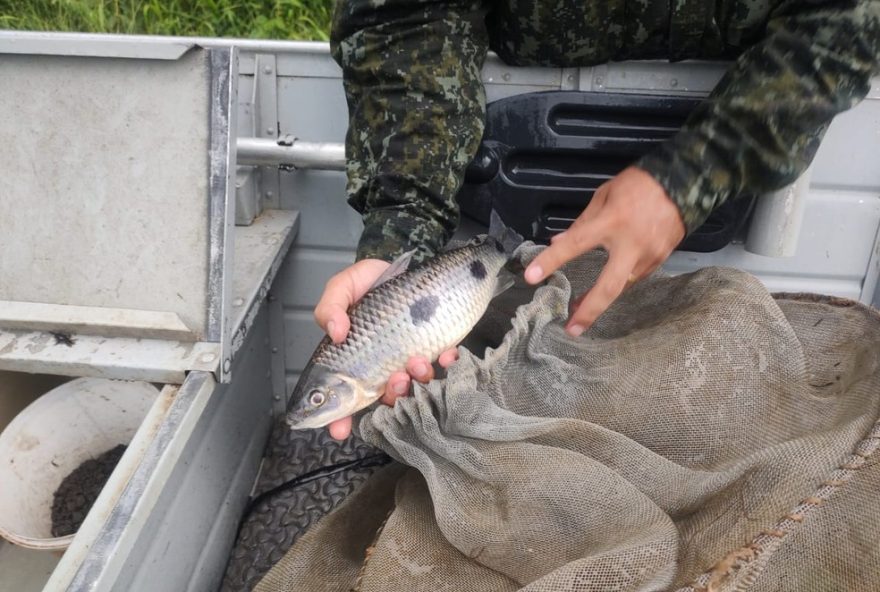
(543, 155)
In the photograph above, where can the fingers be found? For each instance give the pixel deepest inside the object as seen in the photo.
(340, 429)
(417, 368)
(331, 312)
(397, 386)
(341, 292)
(420, 369)
(587, 232)
(568, 245)
(610, 284)
(448, 358)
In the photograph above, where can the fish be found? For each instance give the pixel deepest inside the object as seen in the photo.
(422, 311)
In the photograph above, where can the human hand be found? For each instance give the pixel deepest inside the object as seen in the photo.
(633, 218)
(341, 292)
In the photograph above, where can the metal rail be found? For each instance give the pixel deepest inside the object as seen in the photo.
(289, 151)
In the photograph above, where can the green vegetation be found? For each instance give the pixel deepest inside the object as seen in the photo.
(256, 19)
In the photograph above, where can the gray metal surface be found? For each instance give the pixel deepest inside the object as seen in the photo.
(778, 218)
(260, 250)
(248, 204)
(265, 99)
(258, 118)
(833, 252)
(175, 522)
(221, 192)
(24, 570)
(112, 46)
(109, 322)
(280, 392)
(95, 213)
(871, 285)
(123, 358)
(290, 151)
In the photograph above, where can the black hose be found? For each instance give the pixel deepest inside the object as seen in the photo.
(373, 460)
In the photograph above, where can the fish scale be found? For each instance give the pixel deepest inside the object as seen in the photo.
(388, 309)
(421, 312)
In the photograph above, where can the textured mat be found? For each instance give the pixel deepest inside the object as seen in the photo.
(281, 513)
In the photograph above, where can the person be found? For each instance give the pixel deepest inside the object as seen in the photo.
(411, 74)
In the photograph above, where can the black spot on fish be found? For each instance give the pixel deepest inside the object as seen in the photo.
(423, 309)
(478, 270)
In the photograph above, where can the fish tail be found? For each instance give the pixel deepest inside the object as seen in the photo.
(504, 236)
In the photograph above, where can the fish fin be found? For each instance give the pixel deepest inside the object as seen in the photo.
(397, 267)
(505, 236)
(506, 280)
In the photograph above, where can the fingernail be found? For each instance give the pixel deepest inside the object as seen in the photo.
(398, 389)
(420, 370)
(575, 330)
(534, 273)
(331, 328)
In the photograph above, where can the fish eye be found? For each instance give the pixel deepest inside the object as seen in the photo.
(317, 398)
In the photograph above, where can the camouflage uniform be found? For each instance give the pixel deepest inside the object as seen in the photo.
(417, 104)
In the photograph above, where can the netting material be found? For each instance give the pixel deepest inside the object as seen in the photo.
(671, 447)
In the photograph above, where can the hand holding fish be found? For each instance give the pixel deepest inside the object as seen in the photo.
(381, 318)
(634, 219)
(342, 291)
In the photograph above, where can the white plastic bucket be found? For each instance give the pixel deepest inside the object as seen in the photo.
(74, 422)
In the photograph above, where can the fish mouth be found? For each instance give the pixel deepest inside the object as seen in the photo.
(305, 422)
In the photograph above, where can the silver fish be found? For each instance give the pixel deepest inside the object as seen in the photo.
(423, 312)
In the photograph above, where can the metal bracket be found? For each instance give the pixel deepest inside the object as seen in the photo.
(259, 187)
(267, 124)
(224, 116)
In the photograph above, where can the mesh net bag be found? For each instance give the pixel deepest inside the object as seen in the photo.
(702, 435)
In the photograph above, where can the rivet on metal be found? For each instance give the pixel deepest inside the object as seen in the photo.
(673, 83)
(227, 364)
(270, 131)
(598, 80)
(571, 77)
(506, 76)
(274, 350)
(238, 302)
(277, 397)
(267, 70)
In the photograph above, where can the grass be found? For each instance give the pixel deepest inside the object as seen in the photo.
(267, 19)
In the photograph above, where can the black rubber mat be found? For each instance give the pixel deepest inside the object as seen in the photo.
(305, 474)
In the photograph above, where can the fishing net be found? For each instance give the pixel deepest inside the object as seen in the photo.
(703, 435)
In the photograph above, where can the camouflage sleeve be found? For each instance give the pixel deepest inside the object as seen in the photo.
(763, 123)
(416, 107)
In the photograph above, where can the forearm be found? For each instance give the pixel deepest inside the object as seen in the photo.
(411, 73)
(762, 124)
